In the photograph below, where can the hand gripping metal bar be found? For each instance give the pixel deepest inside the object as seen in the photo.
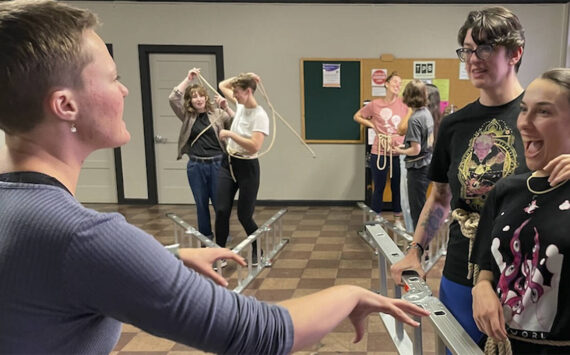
(449, 332)
(436, 249)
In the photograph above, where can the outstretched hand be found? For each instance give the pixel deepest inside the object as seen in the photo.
(334, 304)
(559, 169)
(202, 259)
(372, 302)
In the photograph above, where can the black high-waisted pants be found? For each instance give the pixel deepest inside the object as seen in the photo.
(246, 173)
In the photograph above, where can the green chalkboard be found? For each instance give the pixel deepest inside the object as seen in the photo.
(328, 111)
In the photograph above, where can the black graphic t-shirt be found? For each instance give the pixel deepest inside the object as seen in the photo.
(523, 238)
(476, 146)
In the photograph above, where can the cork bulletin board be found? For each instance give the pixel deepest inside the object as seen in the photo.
(327, 113)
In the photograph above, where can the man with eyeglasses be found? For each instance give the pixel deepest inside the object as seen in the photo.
(476, 146)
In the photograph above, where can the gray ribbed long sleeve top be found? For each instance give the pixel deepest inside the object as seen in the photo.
(69, 275)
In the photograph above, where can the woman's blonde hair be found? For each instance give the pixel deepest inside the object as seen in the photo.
(40, 48)
(244, 81)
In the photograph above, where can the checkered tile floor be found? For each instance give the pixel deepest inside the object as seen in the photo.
(324, 250)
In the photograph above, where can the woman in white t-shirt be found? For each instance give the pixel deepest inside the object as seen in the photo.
(240, 170)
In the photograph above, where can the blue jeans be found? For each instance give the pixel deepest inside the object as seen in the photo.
(203, 180)
(379, 177)
(457, 298)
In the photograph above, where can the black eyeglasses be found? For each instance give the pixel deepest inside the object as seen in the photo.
(482, 52)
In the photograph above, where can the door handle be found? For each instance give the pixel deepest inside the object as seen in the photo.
(160, 139)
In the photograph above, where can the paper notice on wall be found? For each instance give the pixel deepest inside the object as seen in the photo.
(463, 72)
(371, 135)
(403, 86)
(377, 81)
(378, 91)
(331, 75)
(443, 105)
(424, 69)
(443, 88)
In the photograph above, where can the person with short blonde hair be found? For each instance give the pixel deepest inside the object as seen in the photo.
(240, 169)
(48, 51)
(69, 275)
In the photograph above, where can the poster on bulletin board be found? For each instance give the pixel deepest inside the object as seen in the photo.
(424, 69)
(327, 112)
(331, 75)
(378, 81)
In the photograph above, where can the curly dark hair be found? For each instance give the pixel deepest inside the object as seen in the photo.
(496, 26)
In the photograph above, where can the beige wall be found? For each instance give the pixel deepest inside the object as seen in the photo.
(269, 39)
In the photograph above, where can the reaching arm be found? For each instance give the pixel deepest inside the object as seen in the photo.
(223, 104)
(176, 98)
(403, 125)
(252, 145)
(412, 150)
(192, 74)
(432, 217)
(487, 309)
(366, 122)
(317, 314)
(227, 90)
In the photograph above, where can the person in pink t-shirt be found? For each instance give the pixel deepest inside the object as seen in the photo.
(384, 115)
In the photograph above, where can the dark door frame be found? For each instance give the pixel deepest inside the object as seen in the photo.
(145, 50)
(118, 158)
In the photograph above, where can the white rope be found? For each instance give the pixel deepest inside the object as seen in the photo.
(384, 145)
(468, 222)
(274, 114)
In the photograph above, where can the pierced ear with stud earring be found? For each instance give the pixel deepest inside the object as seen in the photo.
(73, 128)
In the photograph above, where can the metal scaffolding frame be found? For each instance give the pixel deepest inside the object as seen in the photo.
(270, 242)
(448, 331)
(435, 250)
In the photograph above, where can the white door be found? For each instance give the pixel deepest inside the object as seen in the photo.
(167, 71)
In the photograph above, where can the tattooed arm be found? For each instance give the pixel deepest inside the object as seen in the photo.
(432, 217)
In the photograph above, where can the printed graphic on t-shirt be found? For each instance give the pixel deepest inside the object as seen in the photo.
(490, 155)
(529, 282)
(390, 120)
